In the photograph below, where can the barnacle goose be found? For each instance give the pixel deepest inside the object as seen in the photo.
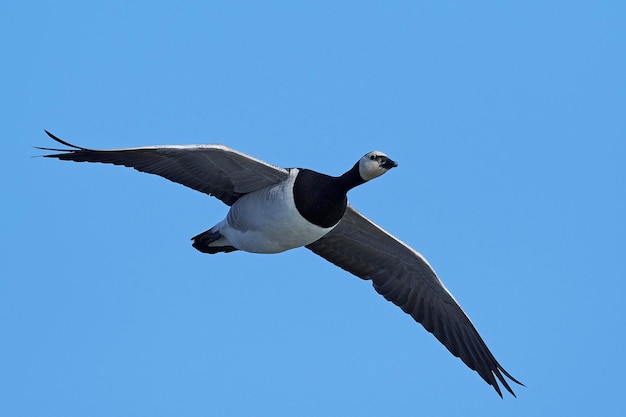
(274, 209)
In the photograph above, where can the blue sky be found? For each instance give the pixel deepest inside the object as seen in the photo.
(507, 120)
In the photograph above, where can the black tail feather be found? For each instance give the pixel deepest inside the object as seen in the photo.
(202, 242)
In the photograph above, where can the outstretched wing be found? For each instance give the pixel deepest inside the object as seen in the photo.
(212, 169)
(403, 276)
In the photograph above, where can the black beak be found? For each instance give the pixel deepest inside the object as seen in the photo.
(389, 163)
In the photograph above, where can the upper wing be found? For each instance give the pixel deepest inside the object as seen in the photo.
(403, 276)
(212, 169)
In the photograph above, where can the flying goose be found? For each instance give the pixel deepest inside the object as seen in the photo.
(274, 209)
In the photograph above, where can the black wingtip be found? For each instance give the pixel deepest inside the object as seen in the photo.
(61, 141)
(505, 383)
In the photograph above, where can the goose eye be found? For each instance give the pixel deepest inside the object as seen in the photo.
(372, 157)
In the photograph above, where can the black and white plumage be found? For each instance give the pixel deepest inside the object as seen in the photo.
(273, 209)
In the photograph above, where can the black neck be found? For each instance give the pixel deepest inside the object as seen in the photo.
(350, 179)
(320, 198)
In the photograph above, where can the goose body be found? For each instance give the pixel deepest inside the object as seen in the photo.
(273, 209)
(263, 221)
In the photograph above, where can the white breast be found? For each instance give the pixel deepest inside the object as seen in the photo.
(267, 221)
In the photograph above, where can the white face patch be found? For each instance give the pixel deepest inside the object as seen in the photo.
(374, 164)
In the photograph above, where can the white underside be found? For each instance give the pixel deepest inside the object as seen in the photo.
(267, 221)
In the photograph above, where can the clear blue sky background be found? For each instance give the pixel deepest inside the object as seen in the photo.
(508, 120)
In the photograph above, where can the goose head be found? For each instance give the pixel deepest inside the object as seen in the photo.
(374, 164)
